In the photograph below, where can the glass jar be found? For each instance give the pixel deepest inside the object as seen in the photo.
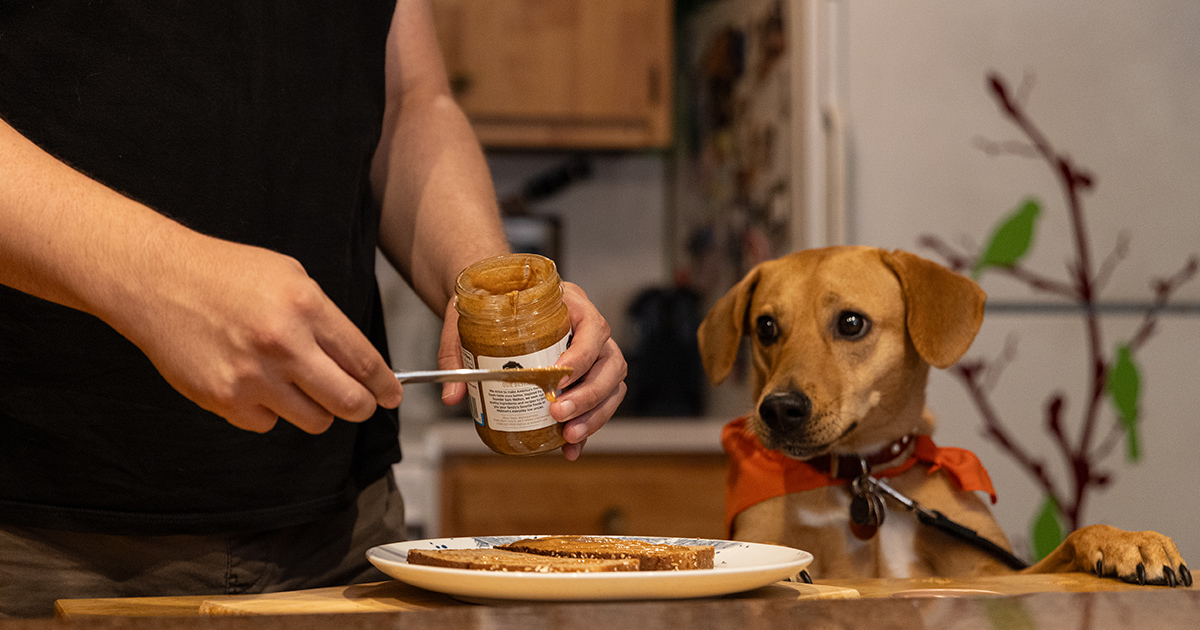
(511, 314)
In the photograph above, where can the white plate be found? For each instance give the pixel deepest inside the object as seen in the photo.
(737, 567)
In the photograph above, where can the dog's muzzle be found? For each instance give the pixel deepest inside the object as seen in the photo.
(785, 412)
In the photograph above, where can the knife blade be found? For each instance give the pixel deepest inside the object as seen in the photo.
(544, 377)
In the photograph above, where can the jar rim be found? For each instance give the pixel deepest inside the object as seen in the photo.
(508, 280)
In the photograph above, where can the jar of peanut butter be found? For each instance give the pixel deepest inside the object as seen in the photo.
(511, 314)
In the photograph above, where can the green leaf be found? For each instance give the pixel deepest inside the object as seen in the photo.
(1047, 529)
(1124, 388)
(1011, 239)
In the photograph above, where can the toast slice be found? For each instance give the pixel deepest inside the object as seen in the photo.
(504, 560)
(650, 556)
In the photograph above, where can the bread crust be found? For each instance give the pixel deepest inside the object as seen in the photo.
(650, 556)
(493, 559)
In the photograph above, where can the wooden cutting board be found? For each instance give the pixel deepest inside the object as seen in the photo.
(395, 596)
(1011, 584)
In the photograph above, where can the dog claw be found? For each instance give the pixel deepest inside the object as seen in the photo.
(1139, 577)
(1185, 576)
(1100, 567)
(1169, 576)
(805, 577)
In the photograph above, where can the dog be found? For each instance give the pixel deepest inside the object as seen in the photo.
(842, 339)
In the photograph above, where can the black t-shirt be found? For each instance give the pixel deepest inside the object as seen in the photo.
(249, 120)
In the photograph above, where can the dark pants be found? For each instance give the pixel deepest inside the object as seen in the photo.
(38, 566)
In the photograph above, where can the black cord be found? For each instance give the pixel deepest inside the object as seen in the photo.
(936, 519)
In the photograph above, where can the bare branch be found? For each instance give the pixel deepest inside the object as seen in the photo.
(1110, 262)
(955, 260)
(1110, 441)
(992, 371)
(1163, 289)
(1054, 410)
(980, 377)
(961, 262)
(1025, 88)
(993, 428)
(1039, 282)
(997, 148)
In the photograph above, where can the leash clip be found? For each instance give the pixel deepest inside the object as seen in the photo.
(879, 485)
(867, 510)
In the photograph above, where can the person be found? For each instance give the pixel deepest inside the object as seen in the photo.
(191, 196)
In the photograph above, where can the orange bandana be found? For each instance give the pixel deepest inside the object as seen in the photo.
(757, 474)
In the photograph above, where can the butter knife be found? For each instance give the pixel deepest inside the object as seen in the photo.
(547, 378)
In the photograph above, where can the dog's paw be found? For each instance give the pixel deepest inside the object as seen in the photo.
(1135, 557)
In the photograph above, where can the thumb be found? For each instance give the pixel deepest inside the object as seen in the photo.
(450, 354)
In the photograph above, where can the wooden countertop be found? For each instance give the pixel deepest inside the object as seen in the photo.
(390, 596)
(394, 596)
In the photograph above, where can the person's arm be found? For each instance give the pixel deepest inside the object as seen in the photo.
(240, 330)
(440, 215)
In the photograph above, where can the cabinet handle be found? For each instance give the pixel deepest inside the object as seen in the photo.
(460, 83)
(653, 85)
(614, 522)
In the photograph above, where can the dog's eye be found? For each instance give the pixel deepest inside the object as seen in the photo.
(767, 329)
(852, 325)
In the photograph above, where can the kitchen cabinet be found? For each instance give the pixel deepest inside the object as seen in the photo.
(561, 73)
(643, 494)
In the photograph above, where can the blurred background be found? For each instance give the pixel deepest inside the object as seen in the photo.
(657, 149)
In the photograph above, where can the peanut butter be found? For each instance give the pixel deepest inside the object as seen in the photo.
(511, 314)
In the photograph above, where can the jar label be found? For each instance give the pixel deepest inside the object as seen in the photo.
(512, 407)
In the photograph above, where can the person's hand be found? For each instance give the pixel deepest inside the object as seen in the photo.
(245, 333)
(596, 386)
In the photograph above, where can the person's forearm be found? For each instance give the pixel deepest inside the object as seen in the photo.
(439, 206)
(67, 238)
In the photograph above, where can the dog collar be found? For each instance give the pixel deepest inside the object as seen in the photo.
(757, 473)
(847, 467)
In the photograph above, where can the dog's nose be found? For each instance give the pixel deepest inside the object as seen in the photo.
(785, 411)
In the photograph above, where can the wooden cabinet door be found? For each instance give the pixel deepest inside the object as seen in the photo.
(608, 494)
(561, 73)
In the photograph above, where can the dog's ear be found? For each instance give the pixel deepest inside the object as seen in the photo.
(721, 331)
(945, 309)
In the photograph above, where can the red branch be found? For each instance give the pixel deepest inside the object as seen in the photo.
(969, 372)
(961, 262)
(1082, 457)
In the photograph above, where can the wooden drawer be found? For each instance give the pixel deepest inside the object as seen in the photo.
(645, 495)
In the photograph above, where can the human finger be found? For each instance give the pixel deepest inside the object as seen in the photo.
(572, 451)
(328, 390)
(360, 361)
(589, 333)
(578, 429)
(297, 408)
(600, 381)
(450, 354)
(254, 418)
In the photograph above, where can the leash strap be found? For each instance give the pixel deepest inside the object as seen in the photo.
(934, 518)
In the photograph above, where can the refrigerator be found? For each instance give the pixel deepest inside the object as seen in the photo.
(1058, 140)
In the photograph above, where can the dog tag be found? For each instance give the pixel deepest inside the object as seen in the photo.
(866, 510)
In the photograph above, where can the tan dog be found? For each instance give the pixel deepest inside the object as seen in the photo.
(842, 340)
